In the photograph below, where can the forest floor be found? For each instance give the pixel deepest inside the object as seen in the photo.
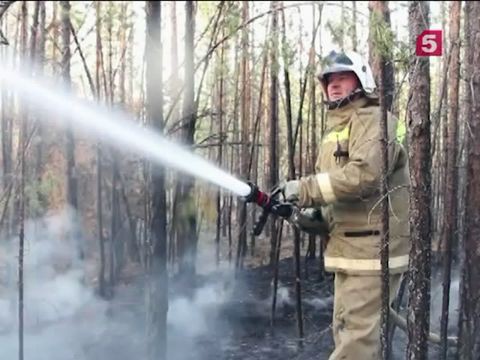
(224, 315)
(229, 317)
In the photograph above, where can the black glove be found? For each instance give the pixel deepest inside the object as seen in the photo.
(283, 209)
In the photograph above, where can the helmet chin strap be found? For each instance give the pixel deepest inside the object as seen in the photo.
(336, 104)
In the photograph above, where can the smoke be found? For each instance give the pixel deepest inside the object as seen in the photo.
(436, 305)
(65, 319)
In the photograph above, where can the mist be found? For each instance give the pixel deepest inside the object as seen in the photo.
(65, 318)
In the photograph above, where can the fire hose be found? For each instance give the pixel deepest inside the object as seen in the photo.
(270, 204)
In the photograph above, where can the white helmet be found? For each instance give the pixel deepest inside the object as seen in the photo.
(348, 61)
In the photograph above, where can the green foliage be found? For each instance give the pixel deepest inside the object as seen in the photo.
(382, 36)
(288, 52)
(37, 193)
(385, 44)
(337, 30)
(233, 17)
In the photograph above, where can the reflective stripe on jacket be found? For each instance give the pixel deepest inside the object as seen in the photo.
(347, 188)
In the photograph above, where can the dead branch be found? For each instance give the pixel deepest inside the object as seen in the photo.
(401, 322)
(4, 5)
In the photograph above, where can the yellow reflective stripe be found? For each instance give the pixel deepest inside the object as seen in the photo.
(325, 185)
(401, 131)
(364, 264)
(338, 135)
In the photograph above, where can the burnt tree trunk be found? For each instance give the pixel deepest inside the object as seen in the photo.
(380, 21)
(273, 158)
(98, 88)
(450, 213)
(186, 220)
(21, 215)
(291, 174)
(470, 290)
(158, 277)
(381, 60)
(420, 193)
(72, 180)
(245, 120)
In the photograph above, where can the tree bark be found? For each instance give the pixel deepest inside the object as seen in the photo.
(385, 240)
(380, 17)
(158, 276)
(450, 214)
(470, 309)
(420, 193)
(291, 172)
(23, 135)
(245, 120)
(187, 217)
(354, 26)
(72, 180)
(99, 179)
(273, 153)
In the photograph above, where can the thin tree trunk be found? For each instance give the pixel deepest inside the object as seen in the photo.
(380, 21)
(187, 221)
(235, 152)
(450, 215)
(278, 247)
(343, 32)
(311, 251)
(220, 151)
(470, 309)
(304, 88)
(158, 276)
(114, 220)
(385, 240)
(72, 180)
(420, 193)
(40, 58)
(23, 134)
(254, 150)
(354, 26)
(245, 119)
(291, 172)
(7, 149)
(98, 87)
(273, 158)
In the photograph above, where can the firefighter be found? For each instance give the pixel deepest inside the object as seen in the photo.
(346, 190)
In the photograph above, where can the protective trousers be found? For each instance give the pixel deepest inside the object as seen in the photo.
(357, 315)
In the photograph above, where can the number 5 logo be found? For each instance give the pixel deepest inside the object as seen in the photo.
(429, 43)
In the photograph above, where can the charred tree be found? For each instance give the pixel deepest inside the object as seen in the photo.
(186, 216)
(273, 153)
(114, 196)
(40, 58)
(380, 23)
(245, 120)
(220, 105)
(420, 192)
(99, 179)
(158, 277)
(173, 86)
(72, 180)
(21, 215)
(291, 174)
(469, 347)
(451, 193)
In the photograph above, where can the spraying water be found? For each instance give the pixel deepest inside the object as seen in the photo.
(117, 128)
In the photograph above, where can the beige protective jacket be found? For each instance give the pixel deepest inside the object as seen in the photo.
(347, 188)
